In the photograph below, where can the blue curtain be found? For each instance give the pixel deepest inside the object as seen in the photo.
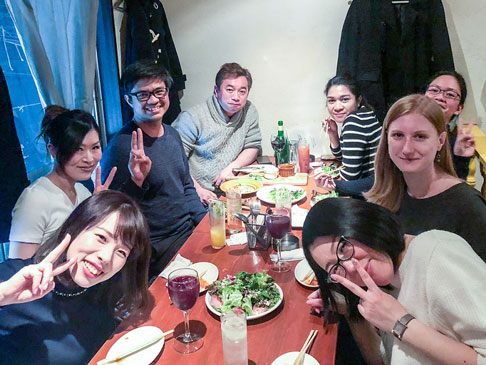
(59, 39)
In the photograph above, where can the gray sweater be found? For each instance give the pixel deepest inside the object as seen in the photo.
(212, 140)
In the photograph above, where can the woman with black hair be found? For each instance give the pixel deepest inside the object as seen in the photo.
(60, 306)
(437, 313)
(73, 140)
(448, 89)
(357, 144)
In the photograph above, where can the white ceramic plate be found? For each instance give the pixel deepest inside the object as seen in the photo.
(270, 310)
(264, 193)
(301, 271)
(131, 340)
(290, 357)
(210, 272)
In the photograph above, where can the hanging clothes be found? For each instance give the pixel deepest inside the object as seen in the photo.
(392, 50)
(14, 177)
(148, 37)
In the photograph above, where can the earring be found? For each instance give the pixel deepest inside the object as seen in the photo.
(437, 157)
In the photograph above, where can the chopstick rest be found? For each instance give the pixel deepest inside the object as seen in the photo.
(131, 351)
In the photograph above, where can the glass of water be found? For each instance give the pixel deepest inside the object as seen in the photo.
(233, 330)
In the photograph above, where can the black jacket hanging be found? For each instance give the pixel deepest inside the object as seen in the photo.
(148, 37)
(392, 50)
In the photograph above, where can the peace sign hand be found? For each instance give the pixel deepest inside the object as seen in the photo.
(34, 281)
(465, 144)
(139, 164)
(377, 307)
(98, 185)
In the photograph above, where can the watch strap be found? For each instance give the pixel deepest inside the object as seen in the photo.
(401, 325)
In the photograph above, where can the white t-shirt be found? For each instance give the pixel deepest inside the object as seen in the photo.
(41, 209)
(442, 285)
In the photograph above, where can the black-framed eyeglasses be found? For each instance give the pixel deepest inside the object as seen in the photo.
(159, 93)
(448, 94)
(344, 252)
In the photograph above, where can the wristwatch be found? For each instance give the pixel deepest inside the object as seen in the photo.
(401, 325)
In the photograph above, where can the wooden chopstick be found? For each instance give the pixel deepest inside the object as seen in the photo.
(135, 349)
(308, 275)
(307, 343)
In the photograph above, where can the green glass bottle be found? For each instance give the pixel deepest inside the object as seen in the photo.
(281, 142)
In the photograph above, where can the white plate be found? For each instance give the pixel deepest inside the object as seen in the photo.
(211, 272)
(264, 193)
(131, 340)
(301, 271)
(266, 169)
(255, 316)
(290, 357)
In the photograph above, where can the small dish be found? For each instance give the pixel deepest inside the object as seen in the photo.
(209, 273)
(134, 338)
(290, 357)
(302, 269)
(289, 242)
(286, 170)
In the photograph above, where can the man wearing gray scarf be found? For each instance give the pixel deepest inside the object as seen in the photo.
(222, 133)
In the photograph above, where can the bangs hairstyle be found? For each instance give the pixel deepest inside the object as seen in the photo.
(367, 223)
(145, 69)
(65, 130)
(130, 294)
(390, 185)
(352, 85)
(232, 69)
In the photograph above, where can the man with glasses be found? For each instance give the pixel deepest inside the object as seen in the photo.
(222, 133)
(160, 180)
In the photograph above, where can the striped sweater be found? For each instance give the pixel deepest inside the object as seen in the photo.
(359, 140)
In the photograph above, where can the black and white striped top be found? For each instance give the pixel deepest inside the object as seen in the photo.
(359, 140)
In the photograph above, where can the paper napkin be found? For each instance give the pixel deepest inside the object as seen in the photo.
(237, 239)
(292, 255)
(178, 263)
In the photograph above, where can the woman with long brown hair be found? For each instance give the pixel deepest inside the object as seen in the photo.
(64, 303)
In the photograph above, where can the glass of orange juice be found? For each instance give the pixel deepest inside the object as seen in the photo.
(217, 223)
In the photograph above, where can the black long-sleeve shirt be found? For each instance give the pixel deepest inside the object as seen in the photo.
(168, 198)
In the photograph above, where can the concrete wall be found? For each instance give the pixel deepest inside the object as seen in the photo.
(291, 50)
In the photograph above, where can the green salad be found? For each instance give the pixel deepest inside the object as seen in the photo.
(284, 192)
(330, 170)
(255, 293)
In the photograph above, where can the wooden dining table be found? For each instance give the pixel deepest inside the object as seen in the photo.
(281, 331)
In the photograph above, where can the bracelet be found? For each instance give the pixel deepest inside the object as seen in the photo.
(401, 325)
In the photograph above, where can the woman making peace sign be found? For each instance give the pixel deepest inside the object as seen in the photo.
(77, 286)
(438, 315)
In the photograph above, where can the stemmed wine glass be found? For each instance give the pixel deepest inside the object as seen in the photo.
(278, 144)
(278, 224)
(183, 291)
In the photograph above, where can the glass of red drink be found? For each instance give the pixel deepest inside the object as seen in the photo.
(183, 291)
(304, 155)
(278, 224)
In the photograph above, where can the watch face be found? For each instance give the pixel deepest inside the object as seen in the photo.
(398, 329)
